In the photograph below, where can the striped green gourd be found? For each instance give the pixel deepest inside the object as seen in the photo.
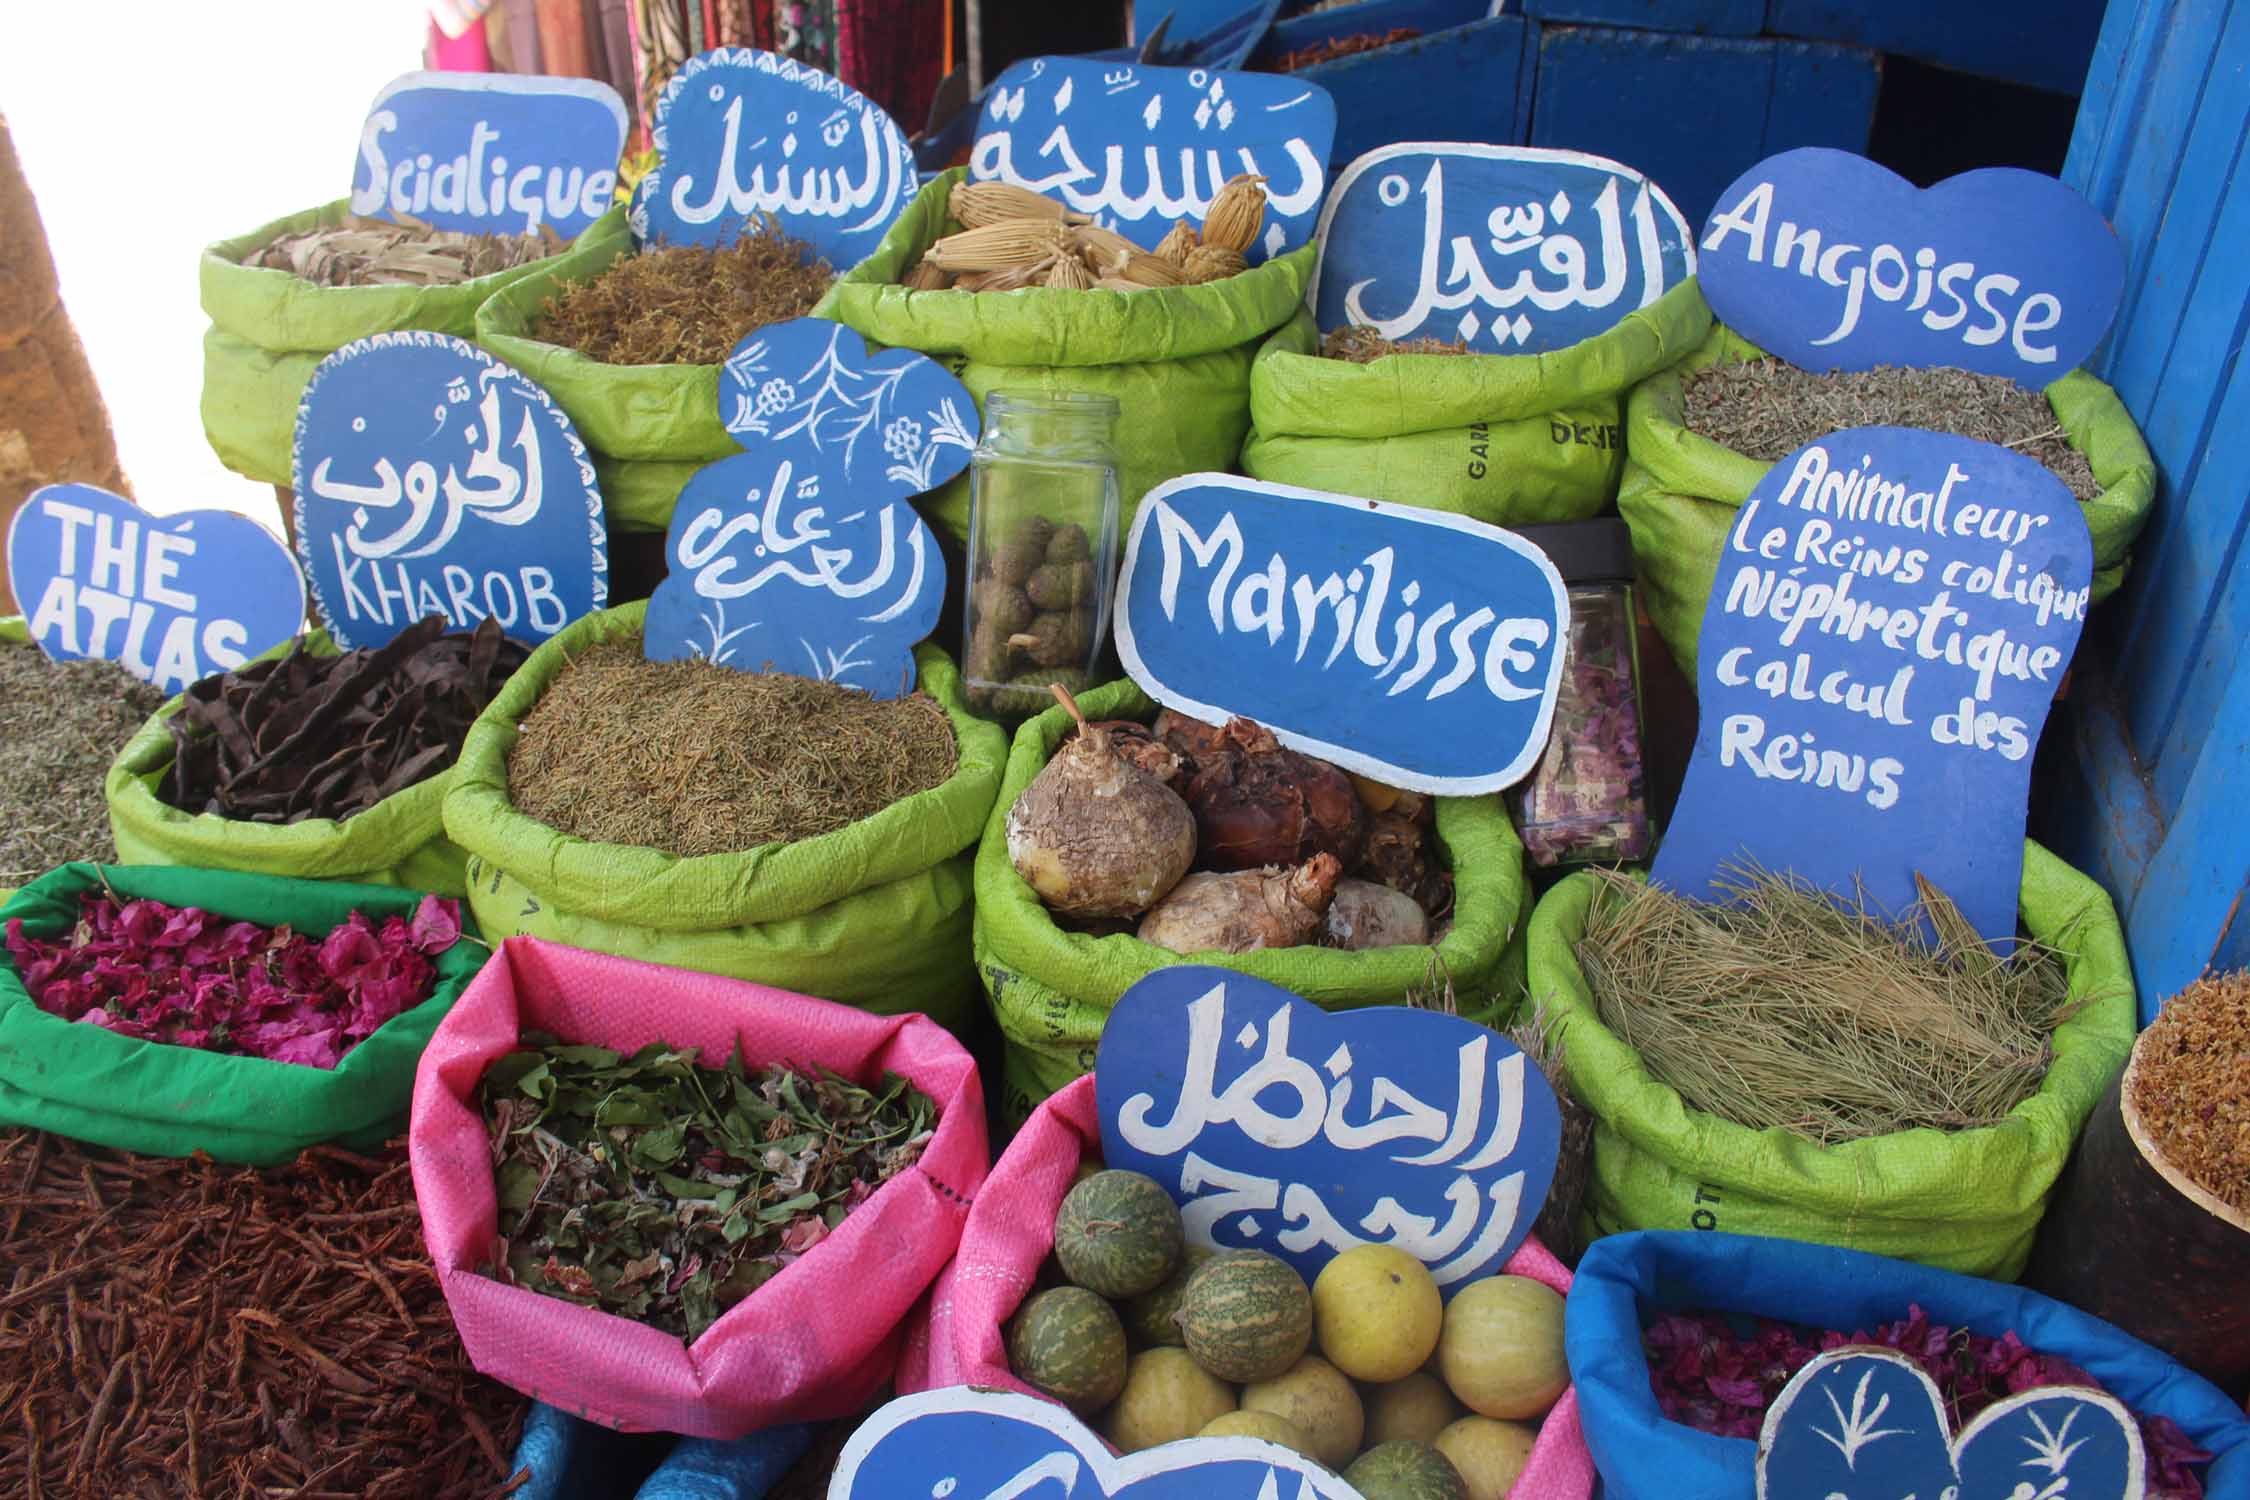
(1247, 1316)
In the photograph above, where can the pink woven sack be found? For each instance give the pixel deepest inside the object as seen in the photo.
(957, 1337)
(815, 1342)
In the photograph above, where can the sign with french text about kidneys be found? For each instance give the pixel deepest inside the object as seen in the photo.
(1141, 148)
(1416, 647)
(804, 553)
(964, 1443)
(432, 479)
(1508, 249)
(1893, 615)
(171, 599)
(1867, 1423)
(1835, 263)
(490, 153)
(1280, 1127)
(743, 135)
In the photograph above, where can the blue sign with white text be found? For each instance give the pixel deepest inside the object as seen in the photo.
(490, 153)
(1508, 249)
(171, 599)
(432, 479)
(1416, 647)
(804, 553)
(1835, 263)
(744, 134)
(1278, 1126)
(1893, 615)
(1140, 148)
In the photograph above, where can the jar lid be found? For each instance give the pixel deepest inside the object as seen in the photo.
(1596, 551)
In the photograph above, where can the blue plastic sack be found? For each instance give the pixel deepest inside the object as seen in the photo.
(570, 1458)
(1626, 1280)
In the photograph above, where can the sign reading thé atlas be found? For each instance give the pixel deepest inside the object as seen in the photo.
(1416, 647)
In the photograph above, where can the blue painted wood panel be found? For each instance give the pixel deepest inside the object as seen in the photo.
(1704, 17)
(2042, 43)
(1380, 17)
(1470, 83)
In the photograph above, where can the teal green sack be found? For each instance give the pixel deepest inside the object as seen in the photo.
(92, 1084)
(874, 915)
(1512, 439)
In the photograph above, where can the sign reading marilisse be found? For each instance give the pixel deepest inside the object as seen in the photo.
(1893, 614)
(490, 153)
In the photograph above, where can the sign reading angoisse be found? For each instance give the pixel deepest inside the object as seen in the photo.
(171, 599)
(1893, 615)
(1835, 263)
(1412, 646)
(1140, 148)
(1280, 1127)
(432, 479)
(1508, 249)
(490, 153)
(745, 134)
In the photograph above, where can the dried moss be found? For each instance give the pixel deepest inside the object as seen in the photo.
(2191, 1085)
(1363, 346)
(61, 724)
(687, 304)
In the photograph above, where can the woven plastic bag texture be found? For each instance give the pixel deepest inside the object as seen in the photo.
(1680, 491)
(270, 328)
(1052, 990)
(812, 1344)
(1966, 1200)
(1513, 439)
(399, 841)
(1627, 1280)
(92, 1084)
(958, 1337)
(875, 914)
(1177, 359)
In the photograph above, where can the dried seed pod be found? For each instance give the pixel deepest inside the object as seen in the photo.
(1120, 284)
(1014, 278)
(1143, 269)
(1058, 638)
(999, 247)
(973, 205)
(925, 277)
(1069, 274)
(1002, 605)
(1092, 241)
(1069, 544)
(1237, 213)
(1177, 242)
(1061, 585)
(1213, 263)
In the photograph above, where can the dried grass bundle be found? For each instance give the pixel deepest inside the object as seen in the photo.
(687, 304)
(1363, 346)
(371, 252)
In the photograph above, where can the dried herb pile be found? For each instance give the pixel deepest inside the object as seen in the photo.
(667, 1192)
(328, 736)
(1788, 1008)
(61, 723)
(178, 1328)
(1364, 346)
(1768, 409)
(687, 305)
(187, 978)
(693, 758)
(1342, 46)
(372, 252)
(2191, 1085)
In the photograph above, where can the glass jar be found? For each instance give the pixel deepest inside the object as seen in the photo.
(1586, 802)
(1043, 508)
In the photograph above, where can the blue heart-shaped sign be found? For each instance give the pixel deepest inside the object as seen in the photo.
(1280, 1127)
(171, 599)
(1868, 1424)
(961, 1443)
(1835, 263)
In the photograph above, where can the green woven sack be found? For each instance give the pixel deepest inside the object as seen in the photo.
(92, 1084)
(400, 841)
(1513, 439)
(875, 914)
(1680, 491)
(1177, 359)
(1052, 990)
(269, 329)
(1965, 1201)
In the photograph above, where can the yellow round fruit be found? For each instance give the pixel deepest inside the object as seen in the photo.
(1262, 1424)
(1415, 1409)
(1167, 1396)
(1502, 1349)
(1490, 1454)
(1376, 1313)
(1315, 1397)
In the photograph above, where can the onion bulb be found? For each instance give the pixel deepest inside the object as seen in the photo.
(1366, 915)
(1257, 803)
(1094, 834)
(1244, 910)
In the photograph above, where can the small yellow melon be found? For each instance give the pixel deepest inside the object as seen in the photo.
(1502, 1349)
(1376, 1313)
(1315, 1397)
(1490, 1454)
(1262, 1424)
(1415, 1409)
(1167, 1396)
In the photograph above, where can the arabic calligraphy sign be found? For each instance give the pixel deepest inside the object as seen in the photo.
(171, 599)
(804, 553)
(962, 1443)
(1508, 249)
(1141, 148)
(490, 153)
(1416, 647)
(1893, 614)
(743, 133)
(1280, 1127)
(432, 479)
(1865, 1423)
(1835, 263)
